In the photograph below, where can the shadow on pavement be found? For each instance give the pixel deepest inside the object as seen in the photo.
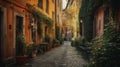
(84, 54)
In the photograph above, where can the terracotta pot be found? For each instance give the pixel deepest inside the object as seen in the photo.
(21, 59)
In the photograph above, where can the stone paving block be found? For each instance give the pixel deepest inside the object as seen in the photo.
(63, 56)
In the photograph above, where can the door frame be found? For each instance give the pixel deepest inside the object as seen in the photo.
(4, 36)
(21, 15)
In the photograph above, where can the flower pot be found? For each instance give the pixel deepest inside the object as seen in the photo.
(21, 59)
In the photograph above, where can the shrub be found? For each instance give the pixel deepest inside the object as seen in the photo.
(20, 45)
(60, 40)
(106, 49)
(47, 38)
(78, 42)
(55, 41)
(31, 49)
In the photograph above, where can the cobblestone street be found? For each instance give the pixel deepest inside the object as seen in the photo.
(63, 56)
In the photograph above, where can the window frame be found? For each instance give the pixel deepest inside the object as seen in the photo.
(47, 6)
(40, 4)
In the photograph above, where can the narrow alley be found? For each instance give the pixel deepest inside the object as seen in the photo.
(63, 56)
(59, 33)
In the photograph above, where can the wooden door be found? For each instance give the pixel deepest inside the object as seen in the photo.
(19, 30)
(1, 35)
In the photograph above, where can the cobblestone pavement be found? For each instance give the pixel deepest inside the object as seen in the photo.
(63, 56)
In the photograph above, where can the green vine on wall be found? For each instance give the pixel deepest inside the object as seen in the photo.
(87, 12)
(106, 49)
(58, 32)
(39, 17)
(42, 16)
(39, 28)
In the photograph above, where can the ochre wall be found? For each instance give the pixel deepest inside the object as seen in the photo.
(11, 7)
(17, 7)
(34, 3)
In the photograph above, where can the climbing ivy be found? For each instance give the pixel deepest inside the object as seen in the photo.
(39, 18)
(58, 32)
(39, 15)
(39, 28)
(87, 12)
(106, 49)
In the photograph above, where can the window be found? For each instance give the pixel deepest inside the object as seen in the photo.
(58, 3)
(46, 29)
(53, 1)
(53, 15)
(40, 3)
(33, 34)
(47, 6)
(58, 19)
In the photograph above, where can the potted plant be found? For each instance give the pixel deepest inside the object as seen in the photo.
(61, 40)
(32, 50)
(21, 58)
(47, 38)
(55, 42)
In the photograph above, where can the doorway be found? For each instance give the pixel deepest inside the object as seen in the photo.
(19, 25)
(19, 31)
(1, 34)
(46, 29)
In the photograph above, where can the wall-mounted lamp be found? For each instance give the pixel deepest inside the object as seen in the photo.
(31, 25)
(81, 21)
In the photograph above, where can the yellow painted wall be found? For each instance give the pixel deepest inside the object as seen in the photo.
(59, 14)
(49, 14)
(12, 7)
(72, 17)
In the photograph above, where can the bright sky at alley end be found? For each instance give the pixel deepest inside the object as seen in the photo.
(64, 4)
